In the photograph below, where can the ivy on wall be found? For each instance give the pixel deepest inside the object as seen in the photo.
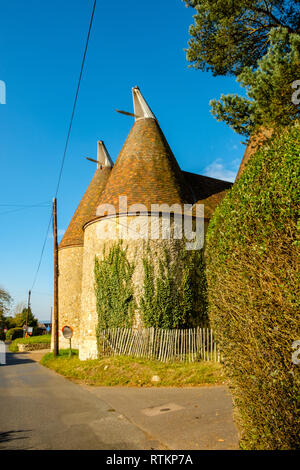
(113, 288)
(176, 295)
(174, 289)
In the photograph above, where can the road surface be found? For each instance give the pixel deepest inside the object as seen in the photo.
(42, 410)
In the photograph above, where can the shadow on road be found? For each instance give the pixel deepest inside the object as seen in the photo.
(13, 359)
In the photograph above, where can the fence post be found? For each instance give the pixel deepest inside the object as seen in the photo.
(184, 345)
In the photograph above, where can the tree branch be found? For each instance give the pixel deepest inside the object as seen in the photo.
(272, 17)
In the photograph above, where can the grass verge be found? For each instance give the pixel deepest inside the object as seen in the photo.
(13, 347)
(133, 372)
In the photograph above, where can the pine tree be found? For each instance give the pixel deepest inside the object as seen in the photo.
(231, 34)
(270, 89)
(20, 318)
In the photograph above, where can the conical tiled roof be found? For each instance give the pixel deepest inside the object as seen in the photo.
(86, 209)
(146, 170)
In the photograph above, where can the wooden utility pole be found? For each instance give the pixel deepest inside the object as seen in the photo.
(55, 299)
(27, 313)
(28, 307)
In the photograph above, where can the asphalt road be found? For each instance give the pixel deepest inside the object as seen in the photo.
(42, 410)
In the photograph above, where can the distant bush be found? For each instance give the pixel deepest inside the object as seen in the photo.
(14, 333)
(35, 339)
(38, 331)
(253, 292)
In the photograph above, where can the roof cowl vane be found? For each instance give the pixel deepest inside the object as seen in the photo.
(141, 108)
(103, 157)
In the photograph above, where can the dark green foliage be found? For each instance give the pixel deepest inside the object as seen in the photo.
(14, 333)
(5, 302)
(113, 287)
(10, 322)
(175, 297)
(253, 292)
(231, 34)
(269, 89)
(37, 331)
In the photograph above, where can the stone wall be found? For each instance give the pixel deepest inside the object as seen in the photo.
(69, 289)
(32, 346)
(104, 233)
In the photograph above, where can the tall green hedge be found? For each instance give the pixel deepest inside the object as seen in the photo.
(253, 292)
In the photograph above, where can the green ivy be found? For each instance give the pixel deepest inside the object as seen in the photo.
(176, 296)
(114, 289)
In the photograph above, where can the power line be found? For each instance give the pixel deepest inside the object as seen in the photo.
(24, 205)
(76, 96)
(68, 137)
(42, 252)
(22, 208)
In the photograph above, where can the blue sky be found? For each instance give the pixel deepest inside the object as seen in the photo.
(132, 43)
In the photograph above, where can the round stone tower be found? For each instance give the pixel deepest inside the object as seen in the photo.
(145, 177)
(71, 251)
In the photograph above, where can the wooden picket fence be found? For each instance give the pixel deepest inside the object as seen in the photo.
(187, 345)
